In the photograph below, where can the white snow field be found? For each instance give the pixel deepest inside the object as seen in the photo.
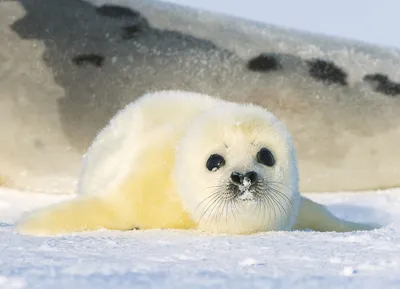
(190, 259)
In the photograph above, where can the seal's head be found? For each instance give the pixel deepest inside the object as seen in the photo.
(236, 171)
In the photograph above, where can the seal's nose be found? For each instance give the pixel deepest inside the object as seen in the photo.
(239, 179)
(252, 176)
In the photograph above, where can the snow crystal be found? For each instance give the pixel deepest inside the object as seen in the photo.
(190, 259)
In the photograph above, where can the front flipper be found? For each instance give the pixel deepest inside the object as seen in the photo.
(79, 214)
(316, 217)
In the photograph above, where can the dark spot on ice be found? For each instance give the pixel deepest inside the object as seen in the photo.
(115, 11)
(377, 77)
(93, 59)
(131, 31)
(263, 63)
(327, 71)
(381, 83)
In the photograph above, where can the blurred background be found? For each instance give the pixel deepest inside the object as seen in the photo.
(366, 20)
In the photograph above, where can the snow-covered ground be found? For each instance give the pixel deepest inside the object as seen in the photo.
(190, 259)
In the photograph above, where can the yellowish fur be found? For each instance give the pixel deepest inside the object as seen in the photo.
(141, 201)
(146, 169)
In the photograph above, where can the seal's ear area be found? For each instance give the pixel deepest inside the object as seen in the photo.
(316, 217)
(79, 214)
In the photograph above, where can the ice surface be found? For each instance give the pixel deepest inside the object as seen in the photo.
(190, 259)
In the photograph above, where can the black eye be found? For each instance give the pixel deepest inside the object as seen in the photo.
(214, 162)
(265, 157)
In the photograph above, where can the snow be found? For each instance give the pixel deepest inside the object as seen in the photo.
(191, 259)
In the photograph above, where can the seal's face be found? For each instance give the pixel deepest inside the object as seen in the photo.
(243, 186)
(236, 171)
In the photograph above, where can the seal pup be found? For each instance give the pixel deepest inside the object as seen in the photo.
(184, 160)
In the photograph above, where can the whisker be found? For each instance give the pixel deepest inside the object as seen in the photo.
(279, 206)
(209, 205)
(282, 195)
(277, 184)
(272, 198)
(272, 203)
(218, 213)
(216, 207)
(214, 195)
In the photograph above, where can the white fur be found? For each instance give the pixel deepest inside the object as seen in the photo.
(147, 169)
(211, 133)
(205, 124)
(111, 157)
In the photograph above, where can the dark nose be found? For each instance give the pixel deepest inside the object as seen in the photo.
(238, 178)
(252, 176)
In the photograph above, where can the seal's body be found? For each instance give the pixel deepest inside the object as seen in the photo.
(184, 160)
